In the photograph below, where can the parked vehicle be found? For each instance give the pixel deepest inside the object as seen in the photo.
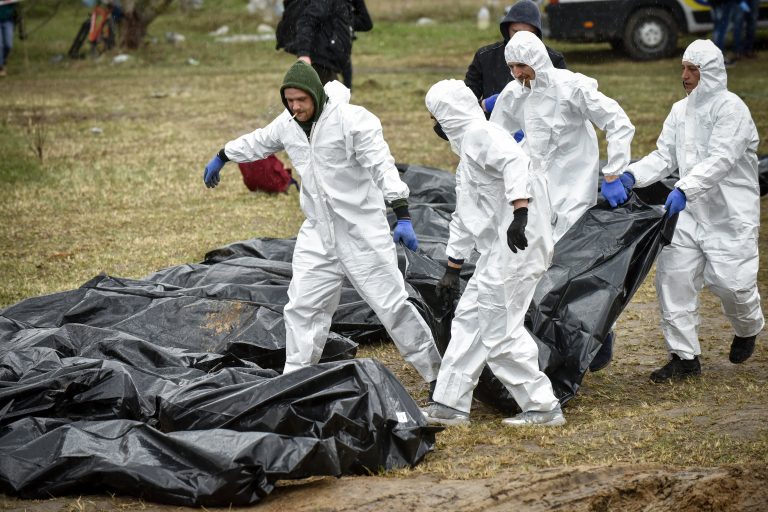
(643, 29)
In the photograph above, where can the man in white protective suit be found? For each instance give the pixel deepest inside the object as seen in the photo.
(502, 210)
(555, 109)
(347, 173)
(711, 138)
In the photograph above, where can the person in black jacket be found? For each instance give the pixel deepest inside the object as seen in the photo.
(320, 32)
(488, 73)
(361, 22)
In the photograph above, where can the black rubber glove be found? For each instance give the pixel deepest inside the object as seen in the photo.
(516, 231)
(448, 287)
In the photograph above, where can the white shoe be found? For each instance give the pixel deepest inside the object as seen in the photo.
(439, 414)
(553, 418)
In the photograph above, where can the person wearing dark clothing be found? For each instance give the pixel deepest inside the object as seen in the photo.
(361, 22)
(722, 11)
(488, 73)
(10, 16)
(750, 20)
(319, 32)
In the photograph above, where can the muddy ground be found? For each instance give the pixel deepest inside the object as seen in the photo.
(580, 488)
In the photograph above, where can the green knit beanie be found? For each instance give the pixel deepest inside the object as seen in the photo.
(303, 76)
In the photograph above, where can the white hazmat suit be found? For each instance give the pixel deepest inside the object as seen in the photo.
(488, 325)
(556, 113)
(711, 138)
(347, 173)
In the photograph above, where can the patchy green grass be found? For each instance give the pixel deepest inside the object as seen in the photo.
(119, 190)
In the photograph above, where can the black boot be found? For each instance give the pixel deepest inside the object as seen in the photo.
(741, 349)
(677, 368)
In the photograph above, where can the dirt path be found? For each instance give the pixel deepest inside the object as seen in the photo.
(581, 488)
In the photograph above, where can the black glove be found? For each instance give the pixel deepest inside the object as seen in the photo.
(448, 288)
(516, 231)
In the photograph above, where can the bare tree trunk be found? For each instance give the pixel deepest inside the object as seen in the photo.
(137, 15)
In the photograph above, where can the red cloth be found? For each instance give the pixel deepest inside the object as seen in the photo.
(269, 175)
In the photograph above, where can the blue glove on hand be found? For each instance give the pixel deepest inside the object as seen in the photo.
(404, 233)
(211, 172)
(675, 202)
(627, 180)
(613, 192)
(519, 135)
(490, 102)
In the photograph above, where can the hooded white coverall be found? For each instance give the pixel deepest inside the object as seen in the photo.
(711, 138)
(488, 325)
(555, 114)
(347, 172)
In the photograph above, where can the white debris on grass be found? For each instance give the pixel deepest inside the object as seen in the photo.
(221, 31)
(425, 21)
(119, 59)
(174, 37)
(245, 38)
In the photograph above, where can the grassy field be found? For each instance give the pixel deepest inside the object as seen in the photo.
(118, 189)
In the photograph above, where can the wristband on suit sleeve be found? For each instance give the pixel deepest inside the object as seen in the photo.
(223, 155)
(400, 207)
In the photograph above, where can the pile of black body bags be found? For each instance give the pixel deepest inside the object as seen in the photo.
(169, 388)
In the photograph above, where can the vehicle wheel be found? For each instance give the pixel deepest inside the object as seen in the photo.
(650, 34)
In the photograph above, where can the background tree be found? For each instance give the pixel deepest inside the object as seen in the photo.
(137, 15)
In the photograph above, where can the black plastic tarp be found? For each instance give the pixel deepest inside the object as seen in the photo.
(192, 354)
(223, 438)
(597, 267)
(94, 381)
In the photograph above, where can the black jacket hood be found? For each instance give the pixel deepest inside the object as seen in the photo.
(523, 11)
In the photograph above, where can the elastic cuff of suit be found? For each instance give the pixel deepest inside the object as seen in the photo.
(223, 155)
(401, 212)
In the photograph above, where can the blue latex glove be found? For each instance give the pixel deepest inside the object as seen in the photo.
(628, 180)
(404, 233)
(518, 135)
(613, 192)
(490, 102)
(211, 172)
(675, 202)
